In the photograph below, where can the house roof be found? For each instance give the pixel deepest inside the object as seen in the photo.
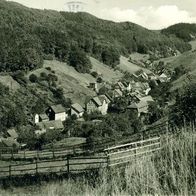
(44, 117)
(108, 96)
(142, 106)
(12, 133)
(126, 84)
(58, 108)
(147, 99)
(77, 107)
(104, 98)
(119, 92)
(10, 142)
(97, 101)
(49, 125)
(163, 75)
(121, 85)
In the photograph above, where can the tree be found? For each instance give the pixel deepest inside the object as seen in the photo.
(110, 56)
(78, 60)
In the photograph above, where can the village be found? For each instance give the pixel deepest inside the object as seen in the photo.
(136, 91)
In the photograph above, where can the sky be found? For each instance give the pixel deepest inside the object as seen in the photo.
(152, 14)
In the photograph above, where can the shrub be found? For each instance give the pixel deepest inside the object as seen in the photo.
(94, 74)
(33, 78)
(43, 75)
(48, 68)
(99, 80)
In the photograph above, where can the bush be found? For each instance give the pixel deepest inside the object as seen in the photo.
(43, 75)
(33, 78)
(99, 80)
(48, 68)
(94, 74)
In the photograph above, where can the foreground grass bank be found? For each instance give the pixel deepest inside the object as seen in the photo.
(169, 172)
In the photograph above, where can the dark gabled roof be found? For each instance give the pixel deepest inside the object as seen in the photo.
(12, 133)
(108, 96)
(126, 84)
(77, 107)
(58, 108)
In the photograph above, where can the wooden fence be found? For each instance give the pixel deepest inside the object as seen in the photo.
(90, 147)
(116, 155)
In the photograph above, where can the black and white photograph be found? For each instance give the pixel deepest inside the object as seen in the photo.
(97, 97)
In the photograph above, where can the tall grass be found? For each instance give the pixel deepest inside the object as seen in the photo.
(169, 172)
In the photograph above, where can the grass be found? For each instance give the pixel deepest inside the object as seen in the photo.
(125, 65)
(9, 82)
(75, 84)
(72, 141)
(170, 172)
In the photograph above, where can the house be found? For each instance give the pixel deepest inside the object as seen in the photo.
(140, 74)
(57, 112)
(163, 78)
(141, 104)
(127, 86)
(41, 118)
(140, 108)
(93, 105)
(120, 85)
(152, 76)
(99, 104)
(77, 109)
(105, 104)
(12, 134)
(43, 127)
(117, 93)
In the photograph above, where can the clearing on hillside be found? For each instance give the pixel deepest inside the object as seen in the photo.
(125, 65)
(8, 81)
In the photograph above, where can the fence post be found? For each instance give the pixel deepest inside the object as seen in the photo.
(24, 154)
(36, 167)
(68, 169)
(0, 153)
(53, 155)
(37, 154)
(10, 170)
(108, 161)
(12, 154)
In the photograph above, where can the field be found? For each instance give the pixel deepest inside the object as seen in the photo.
(170, 172)
(125, 65)
(75, 84)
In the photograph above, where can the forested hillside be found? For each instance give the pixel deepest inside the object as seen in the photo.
(28, 36)
(184, 31)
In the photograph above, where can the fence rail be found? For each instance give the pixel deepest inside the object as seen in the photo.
(113, 156)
